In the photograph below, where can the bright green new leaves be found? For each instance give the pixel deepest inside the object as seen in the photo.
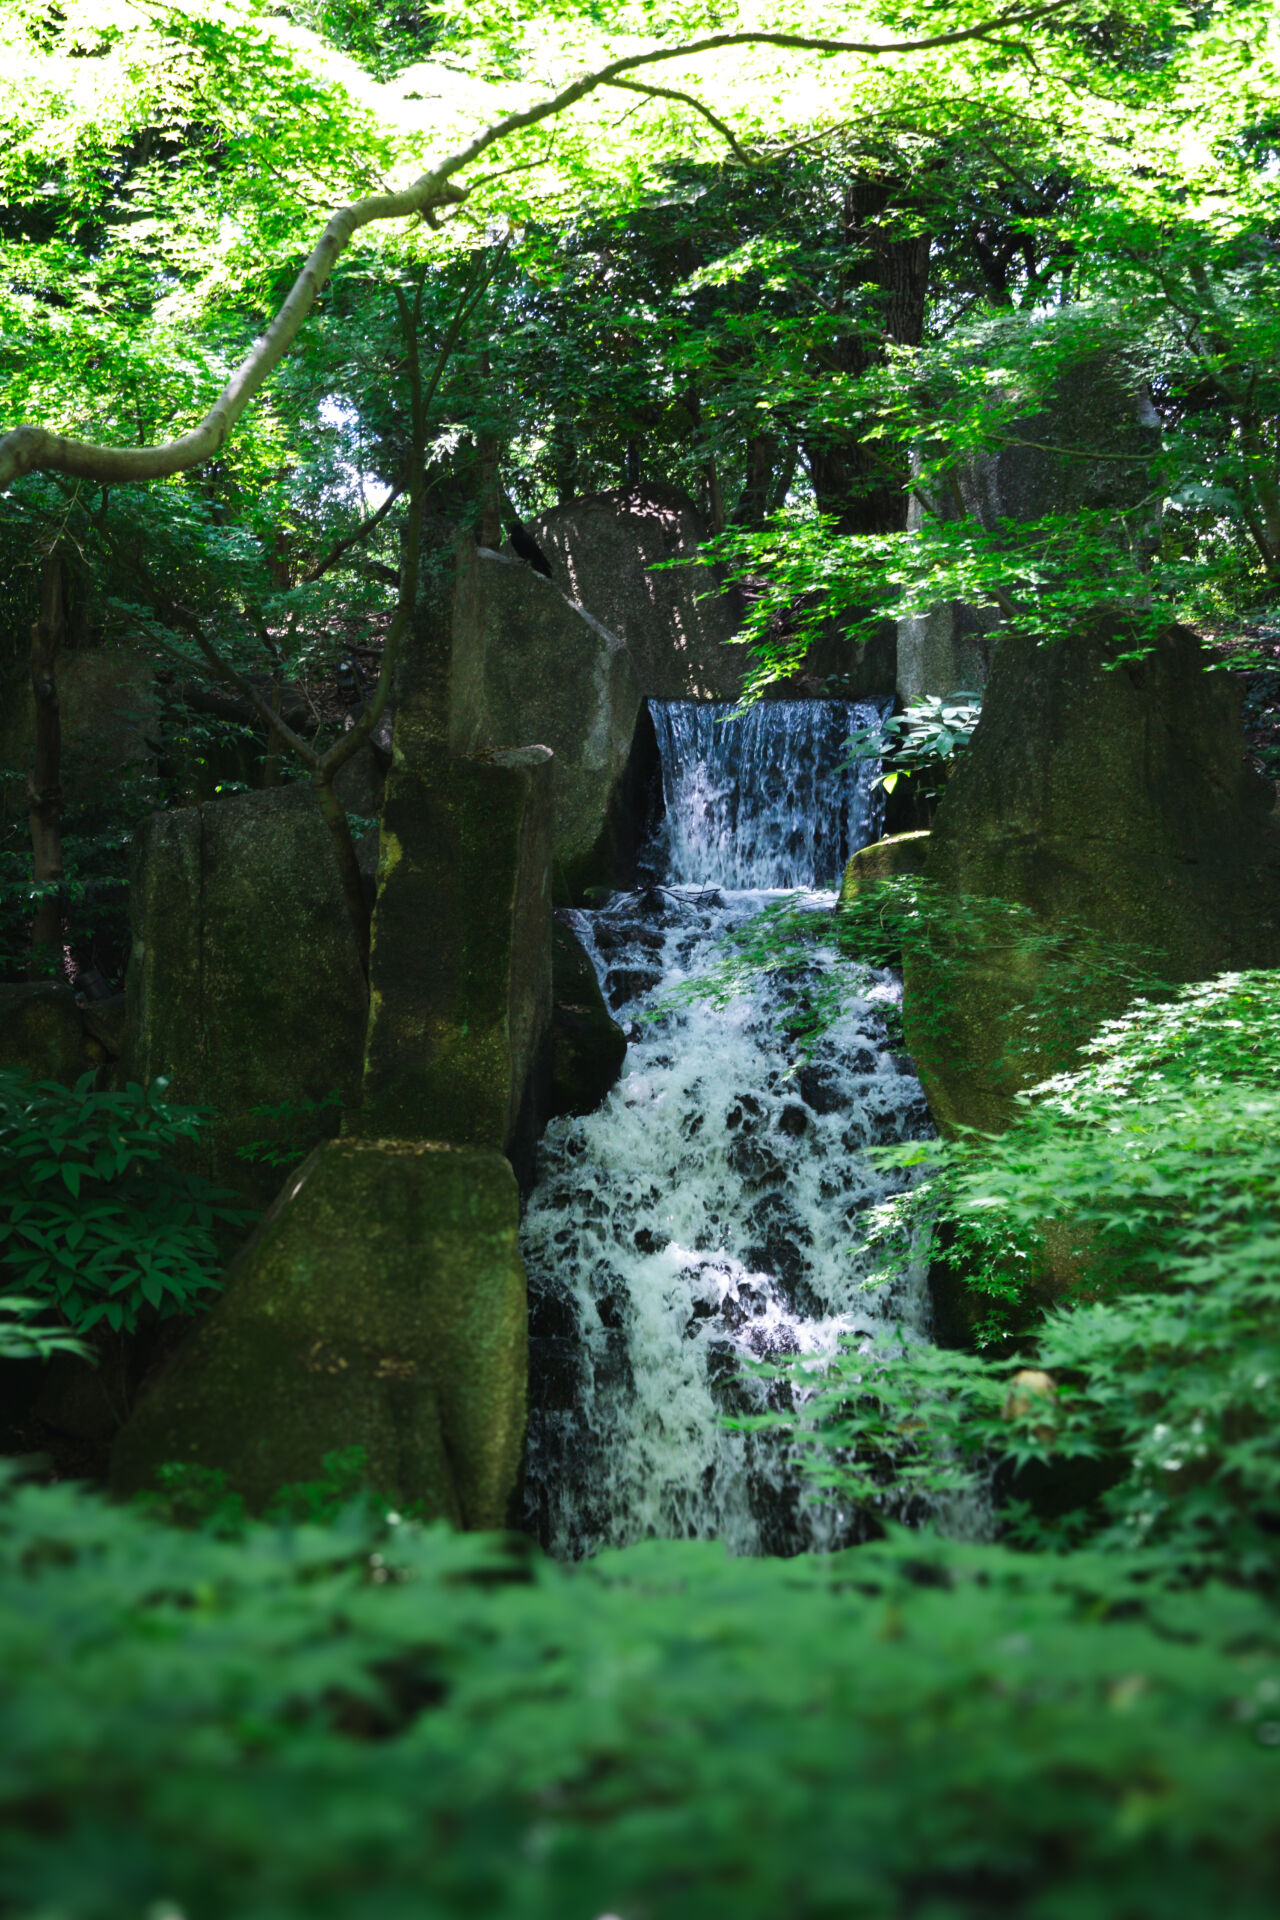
(95, 1221)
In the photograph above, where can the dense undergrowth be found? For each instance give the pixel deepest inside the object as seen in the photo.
(337, 1710)
(368, 1717)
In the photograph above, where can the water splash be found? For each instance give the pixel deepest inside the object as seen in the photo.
(702, 1218)
(709, 1214)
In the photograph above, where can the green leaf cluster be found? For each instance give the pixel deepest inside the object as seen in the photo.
(1120, 1237)
(312, 1722)
(96, 1221)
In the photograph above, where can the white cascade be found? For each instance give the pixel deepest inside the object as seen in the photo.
(709, 1213)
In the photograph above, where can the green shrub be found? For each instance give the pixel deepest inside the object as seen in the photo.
(924, 741)
(95, 1222)
(1148, 1181)
(309, 1723)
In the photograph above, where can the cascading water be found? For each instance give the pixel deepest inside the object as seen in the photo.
(709, 1212)
(760, 799)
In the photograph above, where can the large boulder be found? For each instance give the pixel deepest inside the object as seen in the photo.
(893, 858)
(460, 968)
(245, 983)
(678, 625)
(528, 666)
(588, 1047)
(41, 1032)
(380, 1305)
(109, 713)
(1088, 447)
(1107, 809)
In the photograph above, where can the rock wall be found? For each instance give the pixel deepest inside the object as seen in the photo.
(1113, 796)
(529, 666)
(460, 969)
(1088, 448)
(245, 987)
(109, 708)
(678, 625)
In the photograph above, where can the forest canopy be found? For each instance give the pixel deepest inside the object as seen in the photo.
(758, 271)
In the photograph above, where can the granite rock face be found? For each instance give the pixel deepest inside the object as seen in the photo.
(460, 968)
(380, 1305)
(1089, 448)
(1107, 797)
(245, 986)
(527, 666)
(678, 625)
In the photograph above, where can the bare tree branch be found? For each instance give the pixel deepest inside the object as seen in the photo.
(28, 449)
(362, 532)
(691, 100)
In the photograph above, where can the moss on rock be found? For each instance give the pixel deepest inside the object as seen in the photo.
(1104, 796)
(380, 1304)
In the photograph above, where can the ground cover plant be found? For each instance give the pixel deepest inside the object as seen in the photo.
(325, 1721)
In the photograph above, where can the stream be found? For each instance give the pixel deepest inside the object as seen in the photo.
(710, 1213)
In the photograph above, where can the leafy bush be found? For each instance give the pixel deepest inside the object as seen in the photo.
(314, 1723)
(94, 1220)
(1144, 1189)
(923, 740)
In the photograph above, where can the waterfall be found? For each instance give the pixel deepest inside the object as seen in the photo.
(709, 1214)
(758, 799)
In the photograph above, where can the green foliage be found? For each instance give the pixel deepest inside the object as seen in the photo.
(924, 739)
(292, 1130)
(1139, 1195)
(301, 1720)
(190, 1495)
(94, 1220)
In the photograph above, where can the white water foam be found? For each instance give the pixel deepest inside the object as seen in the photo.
(710, 1213)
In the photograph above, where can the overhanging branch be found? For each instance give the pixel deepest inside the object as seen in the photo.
(30, 449)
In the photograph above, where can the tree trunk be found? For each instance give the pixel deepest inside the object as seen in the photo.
(490, 488)
(864, 482)
(44, 783)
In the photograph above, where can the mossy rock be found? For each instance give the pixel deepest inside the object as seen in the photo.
(380, 1304)
(1101, 795)
(887, 859)
(245, 984)
(461, 962)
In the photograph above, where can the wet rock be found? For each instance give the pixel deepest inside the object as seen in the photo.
(755, 1164)
(819, 1089)
(555, 1374)
(622, 984)
(588, 1049)
(793, 1120)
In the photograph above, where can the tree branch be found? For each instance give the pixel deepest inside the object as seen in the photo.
(690, 100)
(362, 532)
(28, 449)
